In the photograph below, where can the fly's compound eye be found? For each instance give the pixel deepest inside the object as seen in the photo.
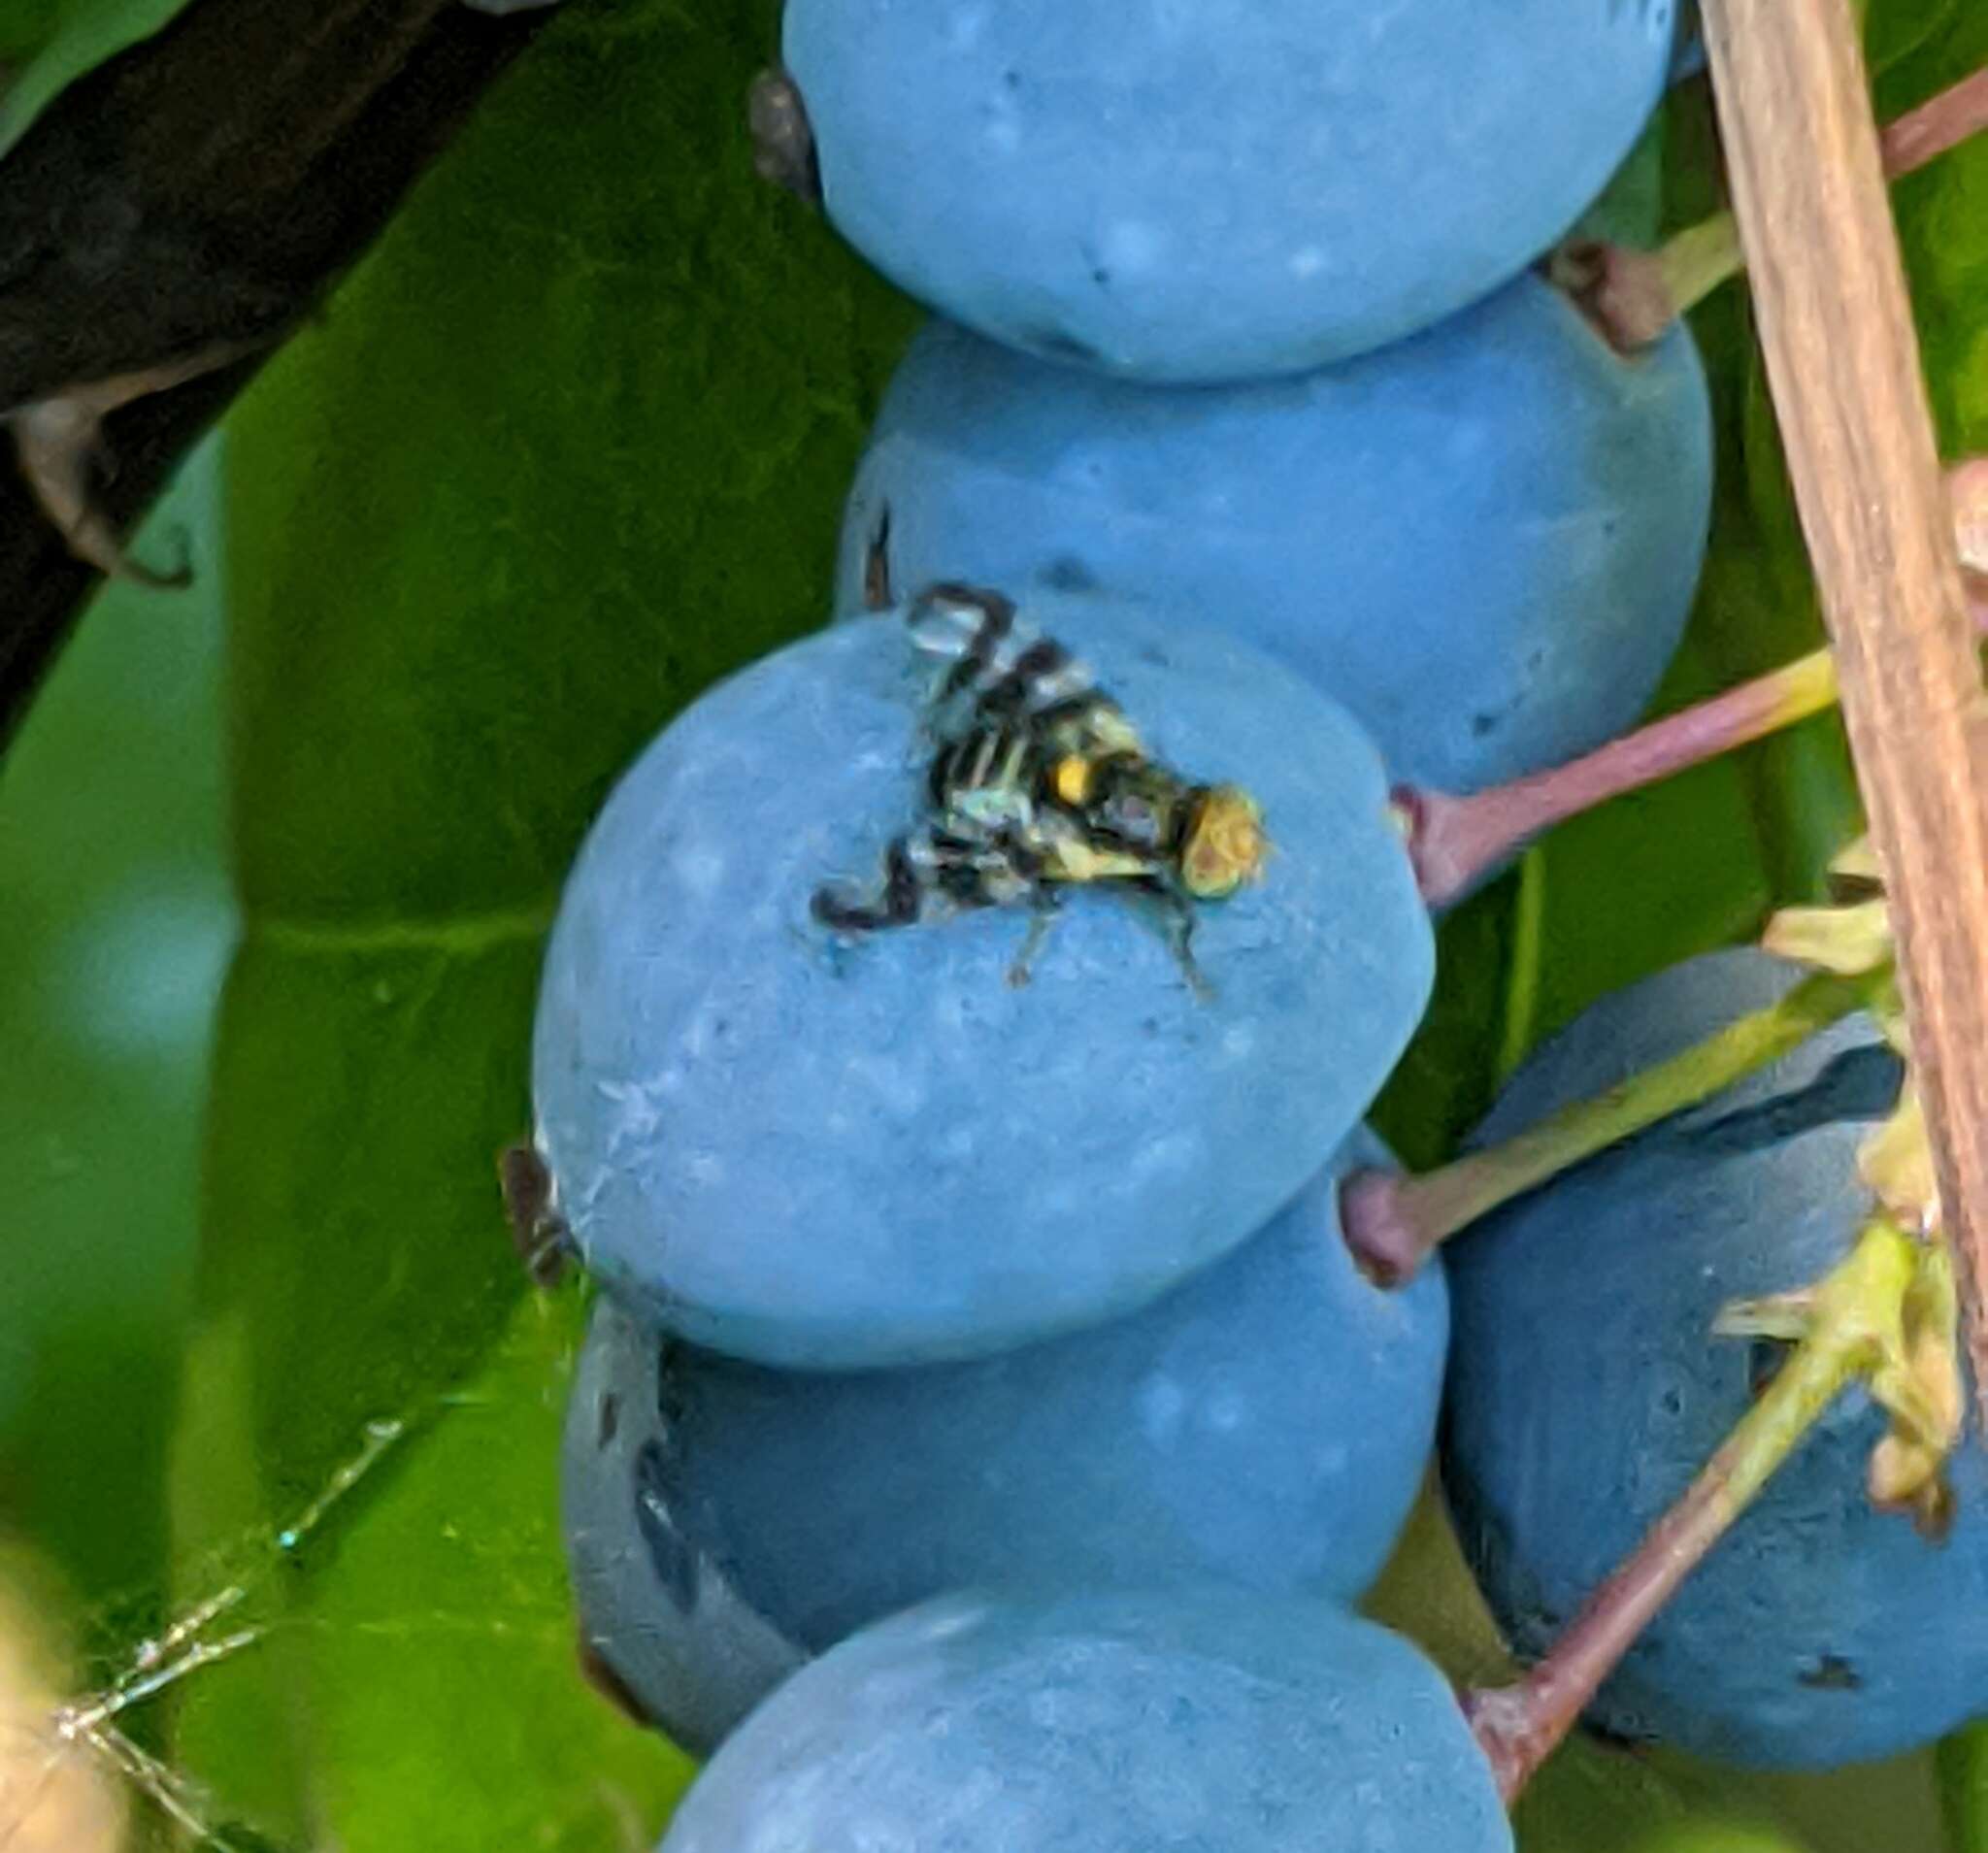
(1135, 821)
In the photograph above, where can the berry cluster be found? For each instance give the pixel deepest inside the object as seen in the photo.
(954, 1045)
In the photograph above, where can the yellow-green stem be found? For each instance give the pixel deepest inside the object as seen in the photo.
(1699, 258)
(1392, 1222)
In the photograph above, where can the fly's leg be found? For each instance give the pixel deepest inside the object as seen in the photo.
(1040, 919)
(906, 886)
(1180, 937)
(932, 872)
(1176, 922)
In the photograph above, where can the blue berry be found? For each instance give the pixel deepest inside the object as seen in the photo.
(654, 1602)
(1587, 1391)
(1189, 192)
(1199, 1718)
(1483, 542)
(812, 1148)
(1266, 1423)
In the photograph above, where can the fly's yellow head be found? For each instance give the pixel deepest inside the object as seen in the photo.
(1225, 845)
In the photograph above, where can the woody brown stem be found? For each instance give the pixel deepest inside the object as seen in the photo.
(1844, 368)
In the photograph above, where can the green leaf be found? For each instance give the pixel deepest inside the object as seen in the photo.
(570, 444)
(1942, 221)
(1631, 207)
(574, 442)
(25, 26)
(1444, 1082)
(70, 40)
(360, 1092)
(1716, 1837)
(478, 1613)
(115, 929)
(1895, 29)
(1963, 1763)
(1652, 878)
(410, 1665)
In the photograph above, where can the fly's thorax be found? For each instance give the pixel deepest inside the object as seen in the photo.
(1093, 729)
(1140, 804)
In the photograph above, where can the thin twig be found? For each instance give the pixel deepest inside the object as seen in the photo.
(1941, 123)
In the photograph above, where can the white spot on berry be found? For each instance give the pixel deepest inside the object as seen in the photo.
(1225, 1412)
(700, 868)
(1162, 1403)
(1131, 246)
